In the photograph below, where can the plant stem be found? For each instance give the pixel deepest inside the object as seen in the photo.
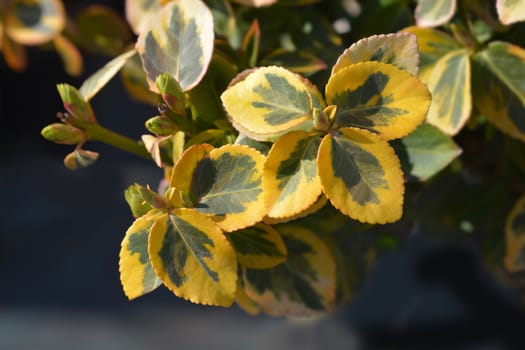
(96, 132)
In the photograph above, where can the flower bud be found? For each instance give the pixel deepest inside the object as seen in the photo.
(75, 104)
(63, 134)
(161, 126)
(142, 199)
(80, 158)
(171, 93)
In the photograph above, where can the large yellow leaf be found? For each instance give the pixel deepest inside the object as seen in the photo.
(291, 184)
(361, 175)
(378, 97)
(193, 258)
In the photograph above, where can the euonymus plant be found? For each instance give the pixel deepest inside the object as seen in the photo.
(284, 147)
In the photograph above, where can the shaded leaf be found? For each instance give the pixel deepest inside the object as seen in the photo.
(256, 3)
(258, 247)
(15, 55)
(378, 97)
(449, 84)
(136, 272)
(303, 285)
(225, 23)
(361, 175)
(193, 258)
(80, 158)
(178, 41)
(515, 237)
(433, 13)
(511, 11)
(135, 82)
(301, 62)
(70, 55)
(263, 147)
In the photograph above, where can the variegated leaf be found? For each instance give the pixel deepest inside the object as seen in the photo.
(243, 301)
(449, 84)
(315, 207)
(378, 97)
(361, 175)
(399, 49)
(34, 22)
(138, 13)
(498, 89)
(193, 258)
(225, 183)
(433, 13)
(263, 147)
(511, 11)
(136, 273)
(268, 103)
(178, 40)
(97, 81)
(301, 62)
(303, 285)
(291, 184)
(515, 238)
(258, 247)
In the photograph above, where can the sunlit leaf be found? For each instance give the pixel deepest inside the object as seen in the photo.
(97, 81)
(498, 89)
(361, 175)
(193, 258)
(449, 84)
(301, 62)
(136, 273)
(378, 97)
(138, 13)
(433, 13)
(291, 184)
(313, 208)
(269, 101)
(511, 11)
(425, 151)
(182, 175)
(258, 247)
(178, 41)
(303, 285)
(34, 22)
(515, 238)
(399, 49)
(135, 82)
(73, 63)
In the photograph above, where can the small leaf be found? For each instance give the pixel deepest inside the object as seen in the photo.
(268, 103)
(70, 55)
(449, 84)
(193, 258)
(34, 22)
(399, 49)
(433, 13)
(301, 62)
(361, 175)
(178, 41)
(136, 273)
(425, 152)
(258, 247)
(80, 158)
(515, 238)
(291, 184)
(251, 43)
(378, 97)
(97, 81)
(303, 285)
(138, 13)
(76, 104)
(510, 11)
(64, 134)
(142, 199)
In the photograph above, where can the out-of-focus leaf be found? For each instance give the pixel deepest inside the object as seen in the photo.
(449, 84)
(251, 43)
(135, 82)
(256, 3)
(193, 258)
(361, 175)
(225, 23)
(34, 22)
(399, 49)
(15, 55)
(433, 13)
(178, 41)
(498, 89)
(138, 13)
(136, 273)
(511, 11)
(301, 62)
(515, 238)
(378, 97)
(80, 158)
(97, 81)
(73, 63)
(425, 152)
(301, 286)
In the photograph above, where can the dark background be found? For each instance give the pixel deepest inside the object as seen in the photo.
(60, 234)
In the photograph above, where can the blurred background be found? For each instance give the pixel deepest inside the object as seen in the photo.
(60, 234)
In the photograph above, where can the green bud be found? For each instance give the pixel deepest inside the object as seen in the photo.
(80, 158)
(64, 134)
(161, 126)
(171, 93)
(75, 104)
(321, 120)
(142, 199)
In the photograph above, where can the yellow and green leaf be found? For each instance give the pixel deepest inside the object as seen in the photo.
(361, 175)
(268, 103)
(136, 272)
(510, 11)
(515, 238)
(499, 93)
(193, 258)
(258, 247)
(291, 184)
(301, 286)
(178, 41)
(399, 49)
(449, 84)
(34, 22)
(138, 13)
(378, 97)
(433, 13)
